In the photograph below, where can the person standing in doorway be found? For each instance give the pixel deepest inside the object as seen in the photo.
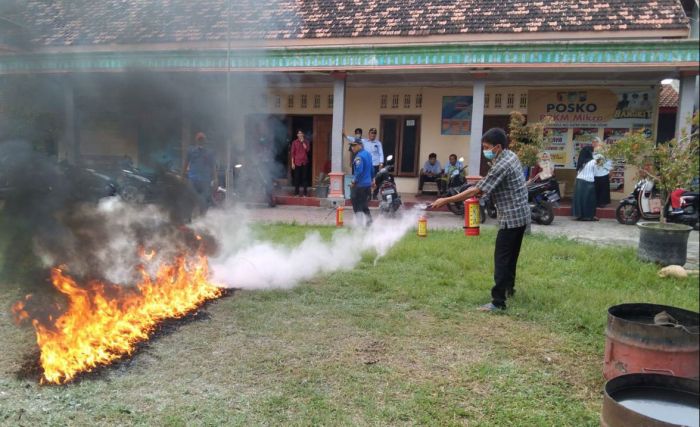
(374, 146)
(362, 178)
(200, 168)
(583, 208)
(603, 166)
(505, 183)
(300, 162)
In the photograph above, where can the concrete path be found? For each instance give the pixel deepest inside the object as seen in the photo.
(603, 232)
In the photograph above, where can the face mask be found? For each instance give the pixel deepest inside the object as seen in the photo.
(489, 154)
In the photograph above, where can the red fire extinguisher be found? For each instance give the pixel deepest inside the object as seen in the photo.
(472, 220)
(339, 216)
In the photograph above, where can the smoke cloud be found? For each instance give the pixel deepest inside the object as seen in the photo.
(265, 265)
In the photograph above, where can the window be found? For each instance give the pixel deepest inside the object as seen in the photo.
(400, 136)
(383, 101)
(523, 100)
(407, 101)
(487, 99)
(510, 100)
(419, 100)
(497, 100)
(278, 101)
(303, 101)
(290, 101)
(317, 101)
(394, 101)
(330, 101)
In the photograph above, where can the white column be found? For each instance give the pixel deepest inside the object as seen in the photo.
(338, 121)
(686, 103)
(478, 93)
(337, 188)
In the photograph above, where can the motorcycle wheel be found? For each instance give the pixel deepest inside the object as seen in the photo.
(491, 210)
(627, 214)
(131, 194)
(546, 213)
(456, 208)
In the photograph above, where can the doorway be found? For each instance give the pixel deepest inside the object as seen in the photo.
(400, 137)
(492, 122)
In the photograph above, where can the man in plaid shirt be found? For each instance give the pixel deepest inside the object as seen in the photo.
(505, 183)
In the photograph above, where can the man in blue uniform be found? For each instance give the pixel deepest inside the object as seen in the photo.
(201, 170)
(361, 185)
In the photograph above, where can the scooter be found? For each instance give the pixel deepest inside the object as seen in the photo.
(645, 203)
(384, 180)
(542, 197)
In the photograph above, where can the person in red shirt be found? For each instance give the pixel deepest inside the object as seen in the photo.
(300, 162)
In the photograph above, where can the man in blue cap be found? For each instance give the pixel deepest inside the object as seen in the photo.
(361, 185)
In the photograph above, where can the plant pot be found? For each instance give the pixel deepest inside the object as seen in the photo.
(665, 244)
(322, 192)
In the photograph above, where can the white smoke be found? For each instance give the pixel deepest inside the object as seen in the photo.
(266, 265)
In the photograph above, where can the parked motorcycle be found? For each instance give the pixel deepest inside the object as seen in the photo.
(252, 182)
(542, 197)
(384, 180)
(645, 203)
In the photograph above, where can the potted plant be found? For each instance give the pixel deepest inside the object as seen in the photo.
(322, 184)
(669, 166)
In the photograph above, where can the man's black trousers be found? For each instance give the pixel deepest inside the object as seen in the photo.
(505, 261)
(360, 200)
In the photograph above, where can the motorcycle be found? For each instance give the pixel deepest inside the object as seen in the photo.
(250, 183)
(391, 200)
(645, 203)
(542, 196)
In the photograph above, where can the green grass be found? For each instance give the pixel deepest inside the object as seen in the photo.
(396, 343)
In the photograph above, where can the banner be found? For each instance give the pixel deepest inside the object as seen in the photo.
(617, 174)
(558, 146)
(456, 115)
(588, 108)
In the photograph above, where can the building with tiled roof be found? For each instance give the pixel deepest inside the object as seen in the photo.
(140, 77)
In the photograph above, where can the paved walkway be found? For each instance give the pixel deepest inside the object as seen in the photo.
(604, 232)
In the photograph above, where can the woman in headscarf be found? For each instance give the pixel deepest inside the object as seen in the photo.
(584, 206)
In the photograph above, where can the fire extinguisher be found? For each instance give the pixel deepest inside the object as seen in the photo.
(422, 226)
(339, 216)
(472, 220)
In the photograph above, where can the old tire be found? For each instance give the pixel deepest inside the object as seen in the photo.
(664, 244)
(627, 214)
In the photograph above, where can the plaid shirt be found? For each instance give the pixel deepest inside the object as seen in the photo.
(505, 183)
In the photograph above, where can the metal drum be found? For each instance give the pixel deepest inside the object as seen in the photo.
(635, 344)
(650, 400)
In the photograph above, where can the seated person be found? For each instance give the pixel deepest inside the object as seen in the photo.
(431, 172)
(544, 169)
(450, 167)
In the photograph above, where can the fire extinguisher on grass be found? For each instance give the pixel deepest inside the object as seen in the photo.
(472, 218)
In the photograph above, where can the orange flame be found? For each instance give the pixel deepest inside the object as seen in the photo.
(103, 322)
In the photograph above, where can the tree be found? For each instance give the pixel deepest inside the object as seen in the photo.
(528, 140)
(669, 165)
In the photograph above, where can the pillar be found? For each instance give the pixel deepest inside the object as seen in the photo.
(478, 94)
(686, 103)
(336, 175)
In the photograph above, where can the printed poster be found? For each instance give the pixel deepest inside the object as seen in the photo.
(457, 115)
(617, 174)
(558, 146)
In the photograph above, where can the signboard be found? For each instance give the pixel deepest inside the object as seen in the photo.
(593, 108)
(456, 115)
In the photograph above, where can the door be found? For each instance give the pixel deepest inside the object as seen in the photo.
(400, 136)
(321, 146)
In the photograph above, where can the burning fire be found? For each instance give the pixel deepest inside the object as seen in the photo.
(105, 322)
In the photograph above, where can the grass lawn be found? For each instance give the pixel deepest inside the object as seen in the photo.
(396, 343)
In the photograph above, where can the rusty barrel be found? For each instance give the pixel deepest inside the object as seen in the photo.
(650, 400)
(635, 344)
